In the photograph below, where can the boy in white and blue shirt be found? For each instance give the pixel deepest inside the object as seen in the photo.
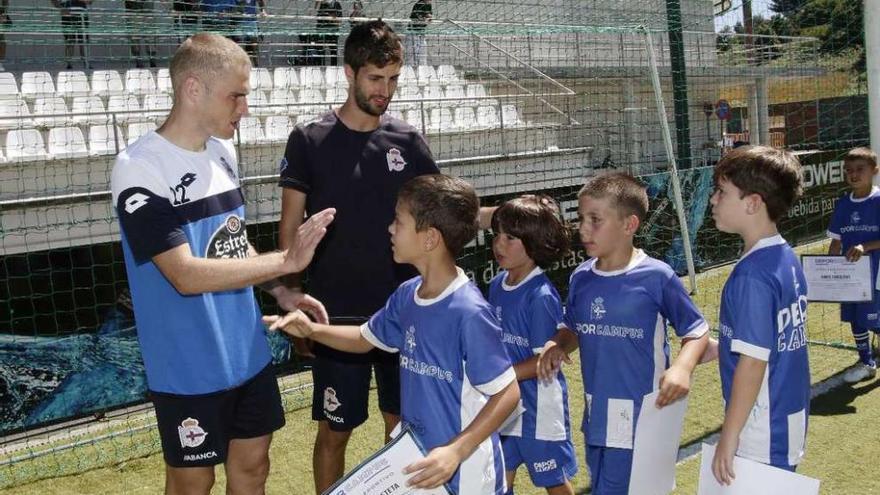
(765, 373)
(457, 384)
(855, 231)
(617, 310)
(529, 235)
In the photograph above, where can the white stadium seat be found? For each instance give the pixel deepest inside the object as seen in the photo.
(311, 77)
(25, 145)
(487, 117)
(278, 128)
(126, 108)
(8, 86)
(14, 114)
(510, 116)
(91, 105)
(138, 129)
(101, 140)
(106, 83)
(285, 77)
(37, 84)
(163, 81)
(465, 118)
(50, 111)
(260, 79)
(139, 82)
(250, 130)
(67, 142)
(72, 83)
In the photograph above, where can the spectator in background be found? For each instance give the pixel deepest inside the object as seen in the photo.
(220, 16)
(139, 23)
(249, 37)
(327, 26)
(357, 10)
(186, 18)
(74, 24)
(5, 22)
(416, 44)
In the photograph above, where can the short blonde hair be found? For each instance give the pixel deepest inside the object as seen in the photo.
(207, 56)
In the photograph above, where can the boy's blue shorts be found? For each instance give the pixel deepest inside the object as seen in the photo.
(609, 470)
(550, 463)
(865, 315)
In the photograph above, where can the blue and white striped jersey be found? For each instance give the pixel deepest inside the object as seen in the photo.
(166, 196)
(451, 362)
(620, 318)
(763, 316)
(530, 313)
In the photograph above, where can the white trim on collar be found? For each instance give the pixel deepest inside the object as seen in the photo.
(773, 240)
(456, 283)
(874, 191)
(634, 262)
(532, 274)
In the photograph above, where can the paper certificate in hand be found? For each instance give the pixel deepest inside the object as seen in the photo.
(382, 473)
(834, 279)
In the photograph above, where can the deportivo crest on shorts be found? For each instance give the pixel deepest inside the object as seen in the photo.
(331, 403)
(191, 434)
(395, 160)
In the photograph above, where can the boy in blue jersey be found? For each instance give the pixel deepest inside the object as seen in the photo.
(618, 305)
(855, 231)
(530, 236)
(456, 383)
(191, 269)
(765, 374)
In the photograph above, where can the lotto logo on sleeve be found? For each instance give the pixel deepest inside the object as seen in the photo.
(191, 434)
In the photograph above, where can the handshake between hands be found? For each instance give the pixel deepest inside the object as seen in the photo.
(296, 323)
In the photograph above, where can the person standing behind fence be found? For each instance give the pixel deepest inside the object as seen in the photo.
(248, 34)
(416, 44)
(74, 25)
(177, 192)
(186, 17)
(5, 22)
(357, 10)
(327, 26)
(139, 23)
(855, 231)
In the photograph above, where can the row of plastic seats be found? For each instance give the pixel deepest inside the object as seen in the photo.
(69, 84)
(276, 129)
(53, 110)
(456, 94)
(23, 145)
(464, 118)
(140, 82)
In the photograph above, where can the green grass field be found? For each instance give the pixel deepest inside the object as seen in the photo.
(843, 439)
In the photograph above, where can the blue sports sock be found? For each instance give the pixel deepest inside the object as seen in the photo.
(863, 345)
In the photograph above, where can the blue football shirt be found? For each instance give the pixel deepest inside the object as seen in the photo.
(620, 318)
(451, 362)
(763, 316)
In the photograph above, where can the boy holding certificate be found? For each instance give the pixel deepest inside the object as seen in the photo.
(762, 345)
(457, 383)
(855, 231)
(619, 302)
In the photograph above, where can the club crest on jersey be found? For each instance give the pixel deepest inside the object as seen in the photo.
(597, 309)
(229, 240)
(331, 402)
(191, 434)
(395, 160)
(498, 312)
(855, 218)
(411, 339)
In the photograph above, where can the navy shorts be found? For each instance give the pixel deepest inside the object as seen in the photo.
(550, 463)
(196, 429)
(609, 470)
(342, 390)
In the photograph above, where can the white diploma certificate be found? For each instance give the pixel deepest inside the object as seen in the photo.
(655, 449)
(382, 473)
(753, 478)
(833, 279)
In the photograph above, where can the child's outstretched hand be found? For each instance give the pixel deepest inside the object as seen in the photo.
(435, 469)
(550, 360)
(295, 323)
(675, 383)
